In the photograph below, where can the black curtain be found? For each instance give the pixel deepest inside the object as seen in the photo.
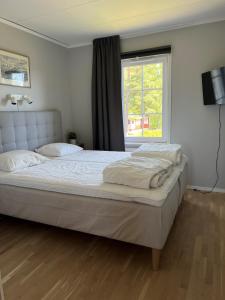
(107, 117)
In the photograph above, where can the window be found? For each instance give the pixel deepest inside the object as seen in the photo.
(146, 98)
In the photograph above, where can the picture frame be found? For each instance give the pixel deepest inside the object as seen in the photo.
(14, 69)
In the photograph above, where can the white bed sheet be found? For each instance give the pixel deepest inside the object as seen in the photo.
(95, 156)
(81, 174)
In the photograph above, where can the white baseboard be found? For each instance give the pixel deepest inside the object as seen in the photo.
(205, 188)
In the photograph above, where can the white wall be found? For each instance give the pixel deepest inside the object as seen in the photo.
(81, 72)
(195, 126)
(50, 87)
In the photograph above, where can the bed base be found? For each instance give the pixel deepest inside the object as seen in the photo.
(24, 203)
(156, 253)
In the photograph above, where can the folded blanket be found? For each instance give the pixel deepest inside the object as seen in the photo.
(138, 172)
(171, 152)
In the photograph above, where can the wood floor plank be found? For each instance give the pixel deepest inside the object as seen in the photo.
(2, 297)
(41, 262)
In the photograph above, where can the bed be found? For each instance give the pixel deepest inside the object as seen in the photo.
(55, 193)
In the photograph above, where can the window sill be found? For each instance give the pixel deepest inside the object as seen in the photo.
(131, 146)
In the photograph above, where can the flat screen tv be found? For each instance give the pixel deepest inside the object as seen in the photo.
(213, 85)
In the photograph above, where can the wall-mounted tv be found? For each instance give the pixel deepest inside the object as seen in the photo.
(213, 85)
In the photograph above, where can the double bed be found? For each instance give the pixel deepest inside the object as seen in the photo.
(69, 192)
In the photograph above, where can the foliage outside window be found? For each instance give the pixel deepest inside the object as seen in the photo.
(145, 98)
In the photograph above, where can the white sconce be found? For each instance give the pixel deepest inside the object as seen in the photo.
(16, 99)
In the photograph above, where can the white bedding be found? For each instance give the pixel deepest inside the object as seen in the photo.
(172, 152)
(95, 156)
(81, 174)
(138, 172)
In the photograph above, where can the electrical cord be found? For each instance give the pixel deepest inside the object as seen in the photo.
(218, 151)
(217, 157)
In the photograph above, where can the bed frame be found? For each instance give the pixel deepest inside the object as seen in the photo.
(29, 130)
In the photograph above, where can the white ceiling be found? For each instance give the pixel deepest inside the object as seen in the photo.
(77, 22)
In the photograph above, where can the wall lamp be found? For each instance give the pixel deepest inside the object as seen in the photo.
(16, 99)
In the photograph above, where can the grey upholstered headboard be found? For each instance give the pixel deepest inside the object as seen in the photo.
(29, 130)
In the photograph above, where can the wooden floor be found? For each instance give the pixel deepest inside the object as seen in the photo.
(42, 262)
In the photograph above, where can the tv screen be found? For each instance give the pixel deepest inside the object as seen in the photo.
(213, 85)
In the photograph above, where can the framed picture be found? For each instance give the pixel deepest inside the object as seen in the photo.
(14, 69)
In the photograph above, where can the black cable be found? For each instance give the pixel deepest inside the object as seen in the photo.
(218, 151)
(217, 157)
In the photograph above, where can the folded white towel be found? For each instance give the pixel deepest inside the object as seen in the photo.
(138, 172)
(172, 152)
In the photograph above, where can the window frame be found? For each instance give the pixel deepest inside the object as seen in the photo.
(166, 98)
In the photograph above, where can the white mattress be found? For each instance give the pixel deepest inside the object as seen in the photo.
(81, 174)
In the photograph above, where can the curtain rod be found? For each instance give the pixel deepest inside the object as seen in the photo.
(146, 52)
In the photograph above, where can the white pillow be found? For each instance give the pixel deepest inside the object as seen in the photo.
(19, 159)
(58, 149)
